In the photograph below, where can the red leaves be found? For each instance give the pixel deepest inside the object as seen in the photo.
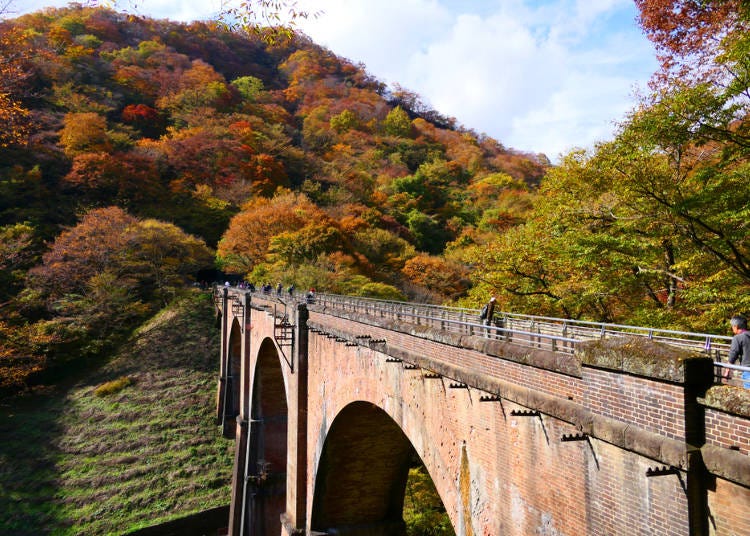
(120, 176)
(687, 33)
(139, 113)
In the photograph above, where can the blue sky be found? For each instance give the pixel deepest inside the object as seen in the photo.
(537, 75)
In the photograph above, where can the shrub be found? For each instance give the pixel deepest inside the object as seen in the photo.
(113, 386)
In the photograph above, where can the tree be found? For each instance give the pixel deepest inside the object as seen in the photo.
(424, 512)
(18, 251)
(273, 20)
(149, 258)
(397, 123)
(446, 278)
(124, 178)
(246, 241)
(650, 228)
(386, 251)
(689, 34)
(344, 121)
(105, 274)
(162, 259)
(306, 244)
(249, 87)
(428, 233)
(84, 133)
(77, 254)
(145, 118)
(14, 116)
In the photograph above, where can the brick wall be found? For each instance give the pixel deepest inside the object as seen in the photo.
(727, 430)
(730, 508)
(653, 405)
(522, 479)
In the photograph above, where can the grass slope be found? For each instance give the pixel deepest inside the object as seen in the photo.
(73, 462)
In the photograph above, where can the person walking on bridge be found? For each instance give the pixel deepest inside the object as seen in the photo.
(739, 350)
(487, 314)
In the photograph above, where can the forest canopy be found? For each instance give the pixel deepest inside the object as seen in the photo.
(137, 155)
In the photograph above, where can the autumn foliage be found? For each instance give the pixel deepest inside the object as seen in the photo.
(151, 139)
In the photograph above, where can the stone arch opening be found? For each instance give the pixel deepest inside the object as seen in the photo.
(232, 383)
(267, 448)
(362, 475)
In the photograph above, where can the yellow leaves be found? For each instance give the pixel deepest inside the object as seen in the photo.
(246, 241)
(84, 133)
(338, 149)
(14, 119)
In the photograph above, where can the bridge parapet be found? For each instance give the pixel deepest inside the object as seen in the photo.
(649, 386)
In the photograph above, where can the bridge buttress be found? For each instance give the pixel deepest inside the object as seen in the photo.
(223, 350)
(242, 431)
(293, 521)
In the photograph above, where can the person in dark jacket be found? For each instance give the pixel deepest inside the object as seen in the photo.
(487, 312)
(739, 350)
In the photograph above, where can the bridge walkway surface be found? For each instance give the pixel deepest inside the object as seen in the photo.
(531, 425)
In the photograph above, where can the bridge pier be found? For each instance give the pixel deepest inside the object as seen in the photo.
(269, 480)
(295, 516)
(221, 306)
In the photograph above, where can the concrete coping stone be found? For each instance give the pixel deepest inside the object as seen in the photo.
(556, 362)
(729, 399)
(643, 357)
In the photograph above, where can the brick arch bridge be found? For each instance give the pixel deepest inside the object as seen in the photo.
(523, 431)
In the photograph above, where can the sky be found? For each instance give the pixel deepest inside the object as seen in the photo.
(540, 76)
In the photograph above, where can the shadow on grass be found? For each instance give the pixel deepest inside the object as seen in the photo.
(28, 474)
(72, 462)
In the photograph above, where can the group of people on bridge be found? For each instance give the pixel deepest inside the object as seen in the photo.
(268, 289)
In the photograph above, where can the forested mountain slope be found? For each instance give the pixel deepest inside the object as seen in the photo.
(138, 154)
(137, 147)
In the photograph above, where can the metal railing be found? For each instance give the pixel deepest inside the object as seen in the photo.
(542, 332)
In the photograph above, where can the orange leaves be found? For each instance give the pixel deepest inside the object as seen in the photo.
(14, 117)
(17, 360)
(687, 33)
(83, 251)
(267, 173)
(246, 241)
(120, 176)
(224, 159)
(437, 274)
(134, 253)
(84, 133)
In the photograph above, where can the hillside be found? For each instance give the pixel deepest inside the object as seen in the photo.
(73, 462)
(141, 154)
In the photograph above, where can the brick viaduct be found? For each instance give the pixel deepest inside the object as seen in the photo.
(329, 405)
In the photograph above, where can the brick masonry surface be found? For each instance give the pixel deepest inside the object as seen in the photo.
(524, 480)
(501, 467)
(727, 431)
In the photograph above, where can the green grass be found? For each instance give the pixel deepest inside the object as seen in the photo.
(143, 451)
